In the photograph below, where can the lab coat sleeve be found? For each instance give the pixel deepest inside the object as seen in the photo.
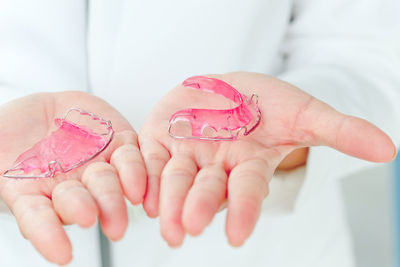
(347, 54)
(42, 48)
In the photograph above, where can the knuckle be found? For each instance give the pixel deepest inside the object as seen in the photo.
(206, 204)
(254, 181)
(245, 174)
(205, 182)
(98, 170)
(110, 196)
(250, 203)
(261, 184)
(24, 209)
(64, 187)
(155, 156)
(125, 153)
(178, 172)
(128, 136)
(210, 193)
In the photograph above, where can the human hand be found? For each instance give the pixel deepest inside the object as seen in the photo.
(188, 180)
(95, 190)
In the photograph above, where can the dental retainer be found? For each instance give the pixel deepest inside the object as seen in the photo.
(234, 121)
(66, 148)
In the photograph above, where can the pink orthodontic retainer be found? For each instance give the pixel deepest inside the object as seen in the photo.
(67, 148)
(232, 120)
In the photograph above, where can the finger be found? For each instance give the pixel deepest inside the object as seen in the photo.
(247, 188)
(39, 223)
(353, 136)
(128, 161)
(204, 199)
(74, 204)
(155, 156)
(176, 181)
(102, 182)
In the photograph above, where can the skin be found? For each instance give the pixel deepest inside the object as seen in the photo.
(81, 196)
(188, 180)
(295, 159)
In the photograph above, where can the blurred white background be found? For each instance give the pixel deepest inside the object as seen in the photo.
(370, 206)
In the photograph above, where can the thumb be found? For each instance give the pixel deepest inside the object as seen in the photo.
(350, 135)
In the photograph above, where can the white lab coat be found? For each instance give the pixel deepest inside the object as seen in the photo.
(132, 52)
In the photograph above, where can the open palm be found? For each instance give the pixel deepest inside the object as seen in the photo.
(189, 180)
(95, 190)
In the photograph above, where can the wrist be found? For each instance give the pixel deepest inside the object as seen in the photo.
(295, 159)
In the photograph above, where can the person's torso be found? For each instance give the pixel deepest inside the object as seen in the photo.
(138, 50)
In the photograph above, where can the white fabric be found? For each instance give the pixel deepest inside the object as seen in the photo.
(15, 251)
(132, 52)
(317, 236)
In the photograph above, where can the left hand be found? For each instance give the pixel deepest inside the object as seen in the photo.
(188, 180)
(81, 196)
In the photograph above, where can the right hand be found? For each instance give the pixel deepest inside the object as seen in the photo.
(189, 181)
(95, 190)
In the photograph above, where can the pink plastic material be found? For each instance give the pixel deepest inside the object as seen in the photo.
(231, 120)
(68, 147)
